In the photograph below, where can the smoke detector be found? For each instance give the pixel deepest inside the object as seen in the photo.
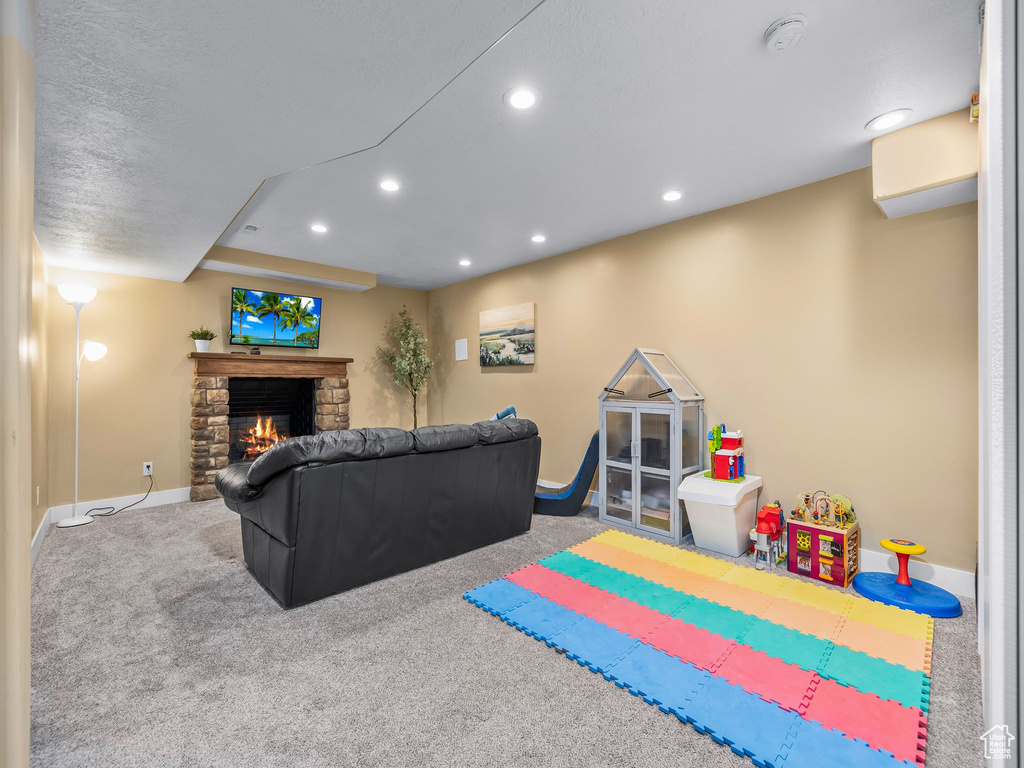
(786, 33)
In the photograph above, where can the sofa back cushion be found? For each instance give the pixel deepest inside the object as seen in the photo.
(504, 431)
(382, 442)
(444, 437)
(329, 447)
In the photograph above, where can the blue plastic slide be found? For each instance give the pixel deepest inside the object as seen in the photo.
(508, 412)
(569, 499)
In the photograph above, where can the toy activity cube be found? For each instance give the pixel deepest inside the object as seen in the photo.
(824, 553)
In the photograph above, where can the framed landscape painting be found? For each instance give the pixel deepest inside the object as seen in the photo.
(507, 335)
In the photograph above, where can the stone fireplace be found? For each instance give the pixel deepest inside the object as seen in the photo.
(307, 395)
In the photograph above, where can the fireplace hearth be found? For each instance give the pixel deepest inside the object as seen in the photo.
(242, 404)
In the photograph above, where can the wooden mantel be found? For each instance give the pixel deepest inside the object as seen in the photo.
(278, 366)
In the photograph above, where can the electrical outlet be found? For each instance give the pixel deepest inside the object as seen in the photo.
(147, 468)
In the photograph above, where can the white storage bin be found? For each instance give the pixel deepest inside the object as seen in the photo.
(721, 513)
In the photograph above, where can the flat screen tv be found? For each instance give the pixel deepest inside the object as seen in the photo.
(268, 319)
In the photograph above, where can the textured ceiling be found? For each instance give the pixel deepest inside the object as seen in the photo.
(157, 121)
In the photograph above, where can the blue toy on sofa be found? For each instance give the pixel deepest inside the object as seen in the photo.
(569, 499)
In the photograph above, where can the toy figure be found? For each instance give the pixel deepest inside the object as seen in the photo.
(768, 536)
(727, 458)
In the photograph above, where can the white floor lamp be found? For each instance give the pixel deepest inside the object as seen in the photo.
(78, 296)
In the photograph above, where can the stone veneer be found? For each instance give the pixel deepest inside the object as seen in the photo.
(209, 425)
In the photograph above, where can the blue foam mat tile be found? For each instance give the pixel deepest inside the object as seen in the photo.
(593, 645)
(750, 725)
(660, 679)
(542, 619)
(500, 596)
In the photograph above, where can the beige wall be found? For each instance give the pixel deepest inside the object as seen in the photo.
(17, 163)
(38, 350)
(135, 401)
(843, 344)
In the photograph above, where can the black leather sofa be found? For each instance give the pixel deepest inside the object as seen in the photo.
(325, 513)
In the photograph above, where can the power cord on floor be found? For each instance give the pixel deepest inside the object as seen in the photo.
(108, 511)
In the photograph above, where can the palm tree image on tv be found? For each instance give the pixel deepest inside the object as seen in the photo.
(268, 318)
(295, 316)
(242, 304)
(273, 305)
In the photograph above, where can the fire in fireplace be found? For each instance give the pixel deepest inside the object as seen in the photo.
(265, 411)
(261, 437)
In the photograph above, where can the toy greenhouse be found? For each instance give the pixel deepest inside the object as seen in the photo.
(652, 422)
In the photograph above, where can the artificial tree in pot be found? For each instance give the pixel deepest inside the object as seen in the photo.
(406, 356)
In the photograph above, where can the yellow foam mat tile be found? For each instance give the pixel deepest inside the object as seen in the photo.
(894, 619)
(664, 553)
(709, 566)
(815, 596)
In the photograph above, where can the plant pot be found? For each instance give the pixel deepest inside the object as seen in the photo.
(202, 345)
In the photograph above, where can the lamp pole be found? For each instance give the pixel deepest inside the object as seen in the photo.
(70, 522)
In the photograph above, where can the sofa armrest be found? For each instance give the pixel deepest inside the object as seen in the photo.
(233, 484)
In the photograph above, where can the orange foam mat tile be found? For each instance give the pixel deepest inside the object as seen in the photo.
(751, 578)
(803, 618)
(911, 652)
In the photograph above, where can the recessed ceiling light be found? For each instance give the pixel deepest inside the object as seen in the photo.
(464, 262)
(888, 120)
(538, 238)
(672, 195)
(521, 97)
(390, 185)
(318, 228)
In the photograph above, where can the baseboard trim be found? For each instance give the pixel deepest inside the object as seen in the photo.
(960, 583)
(40, 536)
(155, 499)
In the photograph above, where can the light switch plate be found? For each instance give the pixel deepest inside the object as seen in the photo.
(461, 349)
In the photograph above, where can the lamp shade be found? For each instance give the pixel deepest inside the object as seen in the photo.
(76, 294)
(93, 350)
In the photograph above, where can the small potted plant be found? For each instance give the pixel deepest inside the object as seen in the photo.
(202, 337)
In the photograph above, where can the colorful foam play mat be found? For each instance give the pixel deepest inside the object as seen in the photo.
(783, 671)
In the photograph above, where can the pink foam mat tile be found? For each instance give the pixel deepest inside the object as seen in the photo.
(701, 648)
(771, 679)
(883, 724)
(561, 589)
(629, 617)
